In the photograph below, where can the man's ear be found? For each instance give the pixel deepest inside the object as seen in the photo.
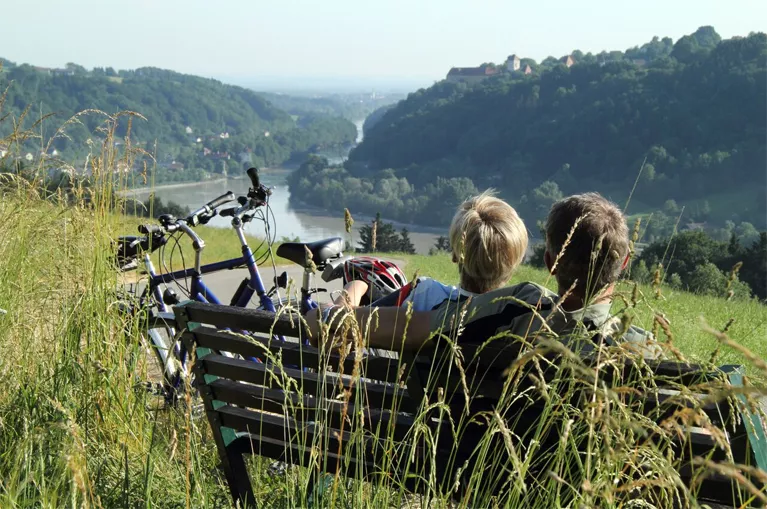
(548, 260)
(625, 263)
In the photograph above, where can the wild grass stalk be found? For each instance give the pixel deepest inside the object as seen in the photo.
(75, 429)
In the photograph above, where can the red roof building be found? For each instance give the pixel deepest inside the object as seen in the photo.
(471, 74)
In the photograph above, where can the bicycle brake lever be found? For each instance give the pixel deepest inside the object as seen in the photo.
(203, 219)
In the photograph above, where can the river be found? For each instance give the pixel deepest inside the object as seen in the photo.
(291, 220)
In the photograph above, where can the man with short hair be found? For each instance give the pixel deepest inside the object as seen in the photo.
(587, 247)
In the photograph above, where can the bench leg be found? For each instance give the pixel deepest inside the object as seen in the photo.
(233, 462)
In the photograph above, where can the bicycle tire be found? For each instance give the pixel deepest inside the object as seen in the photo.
(163, 373)
(158, 341)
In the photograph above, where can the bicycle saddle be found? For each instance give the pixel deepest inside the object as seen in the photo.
(322, 251)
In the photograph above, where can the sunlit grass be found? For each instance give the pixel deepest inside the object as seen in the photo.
(684, 311)
(77, 430)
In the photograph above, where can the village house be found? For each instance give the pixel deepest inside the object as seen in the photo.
(513, 63)
(527, 70)
(567, 60)
(471, 74)
(206, 152)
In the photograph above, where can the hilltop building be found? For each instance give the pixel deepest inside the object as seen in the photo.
(513, 63)
(567, 60)
(471, 74)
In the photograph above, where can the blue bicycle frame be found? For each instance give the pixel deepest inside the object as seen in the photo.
(198, 291)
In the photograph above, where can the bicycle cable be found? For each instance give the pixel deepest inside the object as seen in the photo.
(269, 244)
(177, 244)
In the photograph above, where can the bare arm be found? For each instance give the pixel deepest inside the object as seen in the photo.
(388, 326)
(353, 291)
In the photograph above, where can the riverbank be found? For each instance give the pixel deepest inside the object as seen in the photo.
(146, 190)
(286, 220)
(150, 189)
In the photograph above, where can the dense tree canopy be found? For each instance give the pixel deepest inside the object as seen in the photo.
(704, 265)
(184, 114)
(334, 188)
(693, 112)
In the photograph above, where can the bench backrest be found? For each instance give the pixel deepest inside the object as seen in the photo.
(353, 414)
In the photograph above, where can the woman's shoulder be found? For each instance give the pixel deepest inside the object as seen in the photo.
(429, 284)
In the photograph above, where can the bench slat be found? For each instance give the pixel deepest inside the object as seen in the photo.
(306, 409)
(253, 320)
(376, 368)
(295, 454)
(354, 448)
(375, 395)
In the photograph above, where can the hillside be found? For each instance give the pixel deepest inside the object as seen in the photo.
(694, 111)
(350, 106)
(185, 115)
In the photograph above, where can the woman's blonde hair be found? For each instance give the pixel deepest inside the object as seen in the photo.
(488, 240)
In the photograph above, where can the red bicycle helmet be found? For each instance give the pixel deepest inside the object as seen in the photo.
(384, 277)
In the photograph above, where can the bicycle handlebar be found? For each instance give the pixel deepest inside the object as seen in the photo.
(253, 174)
(150, 229)
(209, 207)
(224, 198)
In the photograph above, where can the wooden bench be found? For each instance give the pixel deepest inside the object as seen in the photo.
(369, 418)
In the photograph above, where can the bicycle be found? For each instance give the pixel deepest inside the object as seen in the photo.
(326, 255)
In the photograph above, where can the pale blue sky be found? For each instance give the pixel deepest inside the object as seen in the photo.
(387, 41)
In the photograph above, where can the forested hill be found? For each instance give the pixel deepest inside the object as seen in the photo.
(352, 106)
(178, 108)
(693, 110)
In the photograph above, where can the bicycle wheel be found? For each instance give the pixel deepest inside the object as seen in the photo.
(163, 373)
(160, 343)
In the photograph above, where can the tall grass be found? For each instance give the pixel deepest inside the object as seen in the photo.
(76, 429)
(685, 312)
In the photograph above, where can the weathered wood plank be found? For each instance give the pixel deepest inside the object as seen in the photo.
(252, 320)
(296, 354)
(334, 414)
(376, 395)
